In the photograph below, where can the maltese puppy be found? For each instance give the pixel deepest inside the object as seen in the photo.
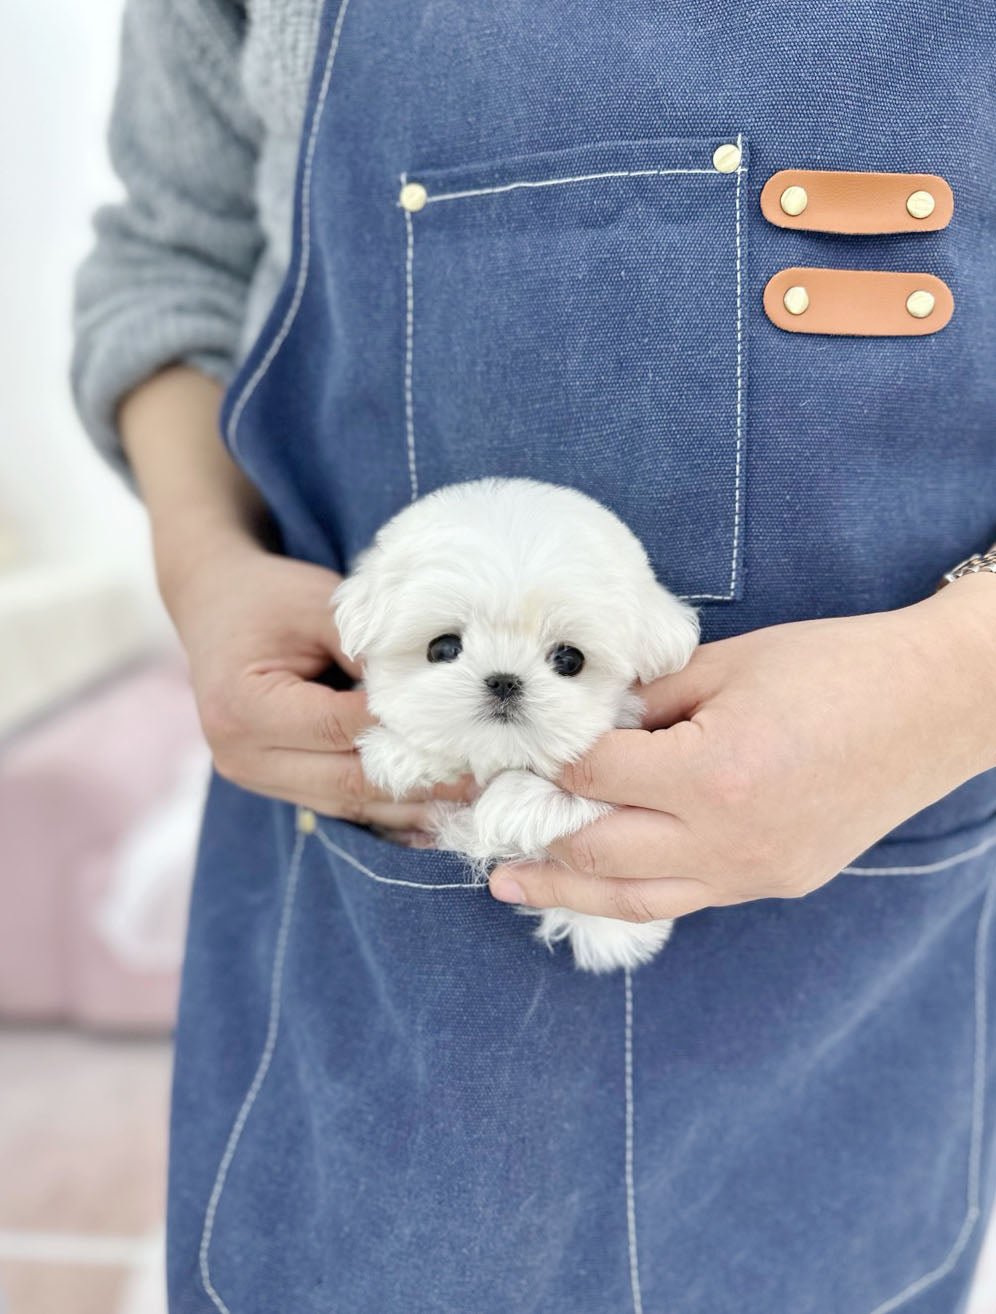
(502, 625)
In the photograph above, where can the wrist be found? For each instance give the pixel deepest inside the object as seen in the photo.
(957, 629)
(201, 505)
(186, 554)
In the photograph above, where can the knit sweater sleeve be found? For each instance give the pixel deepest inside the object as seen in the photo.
(167, 276)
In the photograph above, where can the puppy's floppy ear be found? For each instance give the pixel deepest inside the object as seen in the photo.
(667, 632)
(360, 604)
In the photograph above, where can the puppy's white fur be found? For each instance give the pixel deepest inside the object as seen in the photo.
(515, 568)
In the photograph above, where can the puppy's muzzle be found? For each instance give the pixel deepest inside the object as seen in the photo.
(505, 692)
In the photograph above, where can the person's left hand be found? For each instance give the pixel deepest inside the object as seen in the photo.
(774, 759)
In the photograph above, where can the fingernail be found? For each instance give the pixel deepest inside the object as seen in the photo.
(506, 890)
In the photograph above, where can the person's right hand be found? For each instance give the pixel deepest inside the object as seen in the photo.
(258, 629)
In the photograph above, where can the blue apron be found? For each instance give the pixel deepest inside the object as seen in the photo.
(389, 1099)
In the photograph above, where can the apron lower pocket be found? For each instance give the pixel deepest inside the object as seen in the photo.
(789, 1109)
(579, 316)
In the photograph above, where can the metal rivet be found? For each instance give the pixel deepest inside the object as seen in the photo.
(920, 204)
(920, 303)
(794, 200)
(307, 822)
(726, 158)
(413, 196)
(796, 300)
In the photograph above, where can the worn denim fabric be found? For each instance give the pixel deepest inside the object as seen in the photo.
(389, 1099)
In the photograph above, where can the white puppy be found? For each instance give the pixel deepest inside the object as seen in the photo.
(502, 625)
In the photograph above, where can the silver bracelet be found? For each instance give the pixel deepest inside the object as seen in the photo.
(971, 566)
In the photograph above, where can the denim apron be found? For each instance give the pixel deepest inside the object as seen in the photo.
(389, 1099)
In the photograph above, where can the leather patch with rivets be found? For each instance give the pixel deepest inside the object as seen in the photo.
(825, 201)
(857, 302)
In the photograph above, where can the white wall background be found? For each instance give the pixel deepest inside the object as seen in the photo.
(57, 70)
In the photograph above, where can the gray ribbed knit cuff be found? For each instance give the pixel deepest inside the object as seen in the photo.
(109, 363)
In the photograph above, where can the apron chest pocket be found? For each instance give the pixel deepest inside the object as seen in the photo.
(579, 316)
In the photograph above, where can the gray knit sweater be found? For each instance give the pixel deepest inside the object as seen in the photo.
(204, 136)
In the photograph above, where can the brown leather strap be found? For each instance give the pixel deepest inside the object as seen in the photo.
(861, 302)
(824, 201)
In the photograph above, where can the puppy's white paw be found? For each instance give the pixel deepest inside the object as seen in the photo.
(516, 816)
(603, 944)
(390, 763)
(453, 828)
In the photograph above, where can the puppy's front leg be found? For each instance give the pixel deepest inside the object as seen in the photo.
(516, 816)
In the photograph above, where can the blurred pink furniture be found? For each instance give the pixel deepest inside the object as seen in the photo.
(97, 826)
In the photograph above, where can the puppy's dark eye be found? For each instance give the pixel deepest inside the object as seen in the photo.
(566, 660)
(445, 648)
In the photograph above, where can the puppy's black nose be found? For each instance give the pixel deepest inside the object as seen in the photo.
(504, 687)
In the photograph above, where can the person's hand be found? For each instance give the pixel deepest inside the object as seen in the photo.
(258, 629)
(775, 758)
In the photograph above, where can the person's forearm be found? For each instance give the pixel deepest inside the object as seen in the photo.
(195, 495)
(962, 623)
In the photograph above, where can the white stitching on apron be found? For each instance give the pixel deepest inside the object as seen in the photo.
(263, 1067)
(556, 182)
(409, 348)
(926, 868)
(973, 1206)
(634, 1264)
(740, 389)
(302, 274)
(390, 880)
